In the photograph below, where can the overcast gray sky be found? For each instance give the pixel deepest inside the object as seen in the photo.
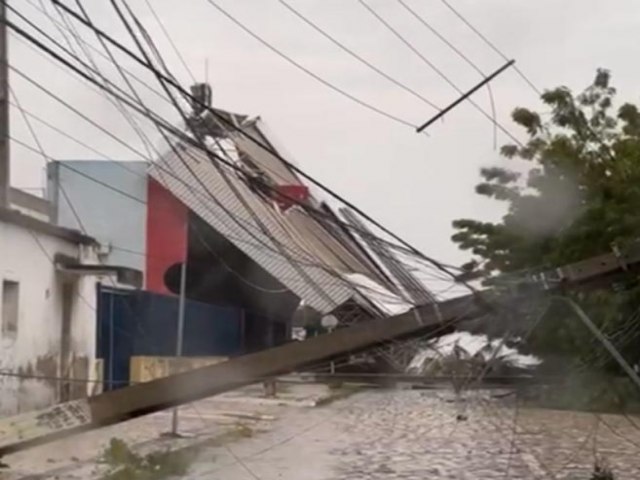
(414, 184)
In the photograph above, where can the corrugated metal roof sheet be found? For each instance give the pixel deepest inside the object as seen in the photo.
(323, 239)
(414, 288)
(272, 165)
(300, 268)
(323, 242)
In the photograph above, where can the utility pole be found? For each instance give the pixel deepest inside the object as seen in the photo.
(180, 336)
(5, 157)
(27, 429)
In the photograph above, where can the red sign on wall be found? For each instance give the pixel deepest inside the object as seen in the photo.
(167, 242)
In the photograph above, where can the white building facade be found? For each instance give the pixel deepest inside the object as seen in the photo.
(47, 315)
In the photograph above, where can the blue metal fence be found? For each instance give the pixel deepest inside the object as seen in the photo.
(132, 323)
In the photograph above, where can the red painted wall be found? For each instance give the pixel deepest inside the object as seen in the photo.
(167, 226)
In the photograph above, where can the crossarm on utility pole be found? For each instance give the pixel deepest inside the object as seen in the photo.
(466, 95)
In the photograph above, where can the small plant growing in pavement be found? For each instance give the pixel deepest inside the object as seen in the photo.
(601, 472)
(243, 431)
(125, 464)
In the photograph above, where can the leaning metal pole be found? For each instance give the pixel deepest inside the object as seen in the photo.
(602, 338)
(180, 335)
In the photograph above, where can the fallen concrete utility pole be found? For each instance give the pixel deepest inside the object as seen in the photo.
(34, 428)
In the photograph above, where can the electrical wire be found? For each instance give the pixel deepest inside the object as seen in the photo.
(62, 189)
(142, 201)
(67, 199)
(46, 158)
(95, 124)
(491, 45)
(387, 297)
(88, 45)
(171, 42)
(618, 434)
(90, 305)
(137, 151)
(80, 172)
(236, 274)
(115, 103)
(409, 247)
(91, 69)
(119, 105)
(440, 73)
(262, 227)
(303, 431)
(309, 72)
(464, 57)
(491, 411)
(159, 57)
(307, 429)
(131, 197)
(355, 55)
(124, 194)
(61, 132)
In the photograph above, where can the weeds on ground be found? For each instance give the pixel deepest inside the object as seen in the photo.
(338, 392)
(602, 472)
(125, 464)
(243, 431)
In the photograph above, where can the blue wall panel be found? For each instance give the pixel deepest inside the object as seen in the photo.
(134, 323)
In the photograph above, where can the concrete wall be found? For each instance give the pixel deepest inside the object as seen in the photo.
(114, 218)
(36, 347)
(145, 369)
(31, 205)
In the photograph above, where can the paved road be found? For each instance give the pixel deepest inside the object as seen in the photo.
(375, 434)
(407, 434)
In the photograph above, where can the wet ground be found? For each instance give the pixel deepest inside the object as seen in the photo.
(408, 434)
(373, 434)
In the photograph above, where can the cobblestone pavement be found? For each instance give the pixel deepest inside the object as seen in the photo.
(409, 434)
(372, 435)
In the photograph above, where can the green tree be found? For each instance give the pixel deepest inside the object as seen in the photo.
(579, 197)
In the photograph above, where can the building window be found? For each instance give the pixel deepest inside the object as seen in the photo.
(10, 295)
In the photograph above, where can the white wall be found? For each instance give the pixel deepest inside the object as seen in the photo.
(35, 350)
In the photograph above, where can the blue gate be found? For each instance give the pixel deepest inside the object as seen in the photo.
(132, 323)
